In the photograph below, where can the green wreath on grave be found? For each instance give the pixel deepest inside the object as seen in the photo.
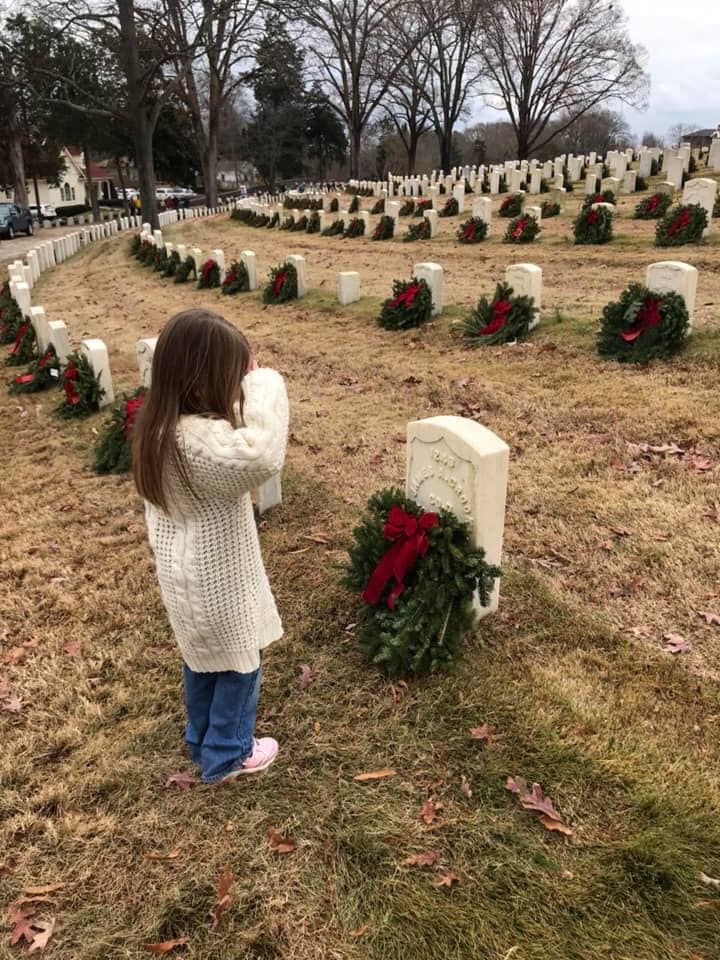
(334, 205)
(683, 224)
(643, 325)
(418, 231)
(24, 347)
(171, 264)
(282, 285)
(185, 270)
(604, 196)
(501, 320)
(378, 207)
(313, 223)
(653, 207)
(301, 224)
(417, 573)
(160, 259)
(473, 230)
(354, 204)
(423, 204)
(336, 228)
(544, 185)
(288, 223)
(407, 209)
(523, 229)
(273, 221)
(593, 226)
(511, 206)
(409, 306)
(135, 245)
(243, 215)
(550, 209)
(209, 275)
(356, 228)
(40, 375)
(451, 208)
(384, 229)
(81, 387)
(146, 253)
(10, 320)
(113, 450)
(237, 279)
(259, 219)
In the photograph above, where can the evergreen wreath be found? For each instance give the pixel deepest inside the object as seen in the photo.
(334, 205)
(502, 184)
(653, 207)
(643, 325)
(511, 206)
(473, 230)
(354, 204)
(135, 245)
(593, 226)
(423, 204)
(313, 224)
(273, 221)
(146, 253)
(81, 386)
(259, 219)
(171, 265)
(451, 208)
(300, 224)
(288, 223)
(209, 275)
(407, 209)
(544, 185)
(604, 196)
(244, 215)
(355, 228)
(113, 452)
(418, 573)
(282, 285)
(41, 374)
(410, 305)
(24, 348)
(501, 320)
(185, 270)
(236, 279)
(522, 229)
(160, 259)
(11, 319)
(550, 209)
(337, 227)
(418, 231)
(683, 224)
(384, 229)
(378, 207)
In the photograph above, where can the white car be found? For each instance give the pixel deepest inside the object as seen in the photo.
(47, 211)
(129, 193)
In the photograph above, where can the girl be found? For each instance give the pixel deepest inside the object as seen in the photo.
(212, 428)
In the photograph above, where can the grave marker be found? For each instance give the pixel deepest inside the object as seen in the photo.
(701, 191)
(57, 332)
(348, 287)
(672, 275)
(250, 260)
(97, 355)
(526, 281)
(145, 350)
(299, 263)
(432, 274)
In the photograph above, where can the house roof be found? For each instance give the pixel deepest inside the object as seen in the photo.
(97, 172)
(701, 133)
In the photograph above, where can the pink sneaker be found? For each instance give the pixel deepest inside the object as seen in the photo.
(264, 752)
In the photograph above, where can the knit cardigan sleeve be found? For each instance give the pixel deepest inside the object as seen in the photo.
(226, 461)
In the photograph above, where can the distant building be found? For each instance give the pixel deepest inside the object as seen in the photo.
(71, 188)
(701, 139)
(234, 173)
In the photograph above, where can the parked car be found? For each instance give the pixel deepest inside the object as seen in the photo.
(47, 212)
(129, 193)
(15, 219)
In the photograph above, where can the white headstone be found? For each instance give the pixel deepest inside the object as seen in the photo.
(196, 253)
(535, 181)
(392, 209)
(675, 170)
(432, 218)
(432, 274)
(701, 191)
(58, 334)
(629, 181)
(482, 209)
(219, 258)
(526, 281)
(672, 275)
(348, 287)
(97, 355)
(459, 195)
(22, 298)
(461, 466)
(40, 325)
(590, 184)
(645, 164)
(534, 212)
(145, 350)
(250, 261)
(299, 263)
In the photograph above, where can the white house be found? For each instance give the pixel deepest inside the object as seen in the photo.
(71, 189)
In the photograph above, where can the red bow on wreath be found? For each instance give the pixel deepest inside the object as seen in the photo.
(469, 232)
(230, 278)
(653, 201)
(70, 376)
(278, 282)
(208, 267)
(45, 358)
(500, 310)
(405, 298)
(647, 316)
(410, 542)
(679, 223)
(22, 330)
(518, 229)
(130, 411)
(592, 217)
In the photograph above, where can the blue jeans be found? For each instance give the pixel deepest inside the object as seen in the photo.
(220, 710)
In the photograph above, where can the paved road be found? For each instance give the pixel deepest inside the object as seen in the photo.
(16, 249)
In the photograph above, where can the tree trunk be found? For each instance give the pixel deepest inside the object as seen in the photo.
(445, 138)
(91, 194)
(412, 153)
(123, 191)
(17, 164)
(36, 187)
(146, 170)
(210, 173)
(355, 135)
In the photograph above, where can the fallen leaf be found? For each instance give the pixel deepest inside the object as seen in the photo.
(39, 891)
(676, 643)
(166, 946)
(699, 463)
(535, 801)
(465, 786)
(306, 676)
(445, 878)
(485, 734)
(170, 855)
(180, 780)
(225, 881)
(710, 618)
(72, 649)
(555, 825)
(279, 843)
(20, 921)
(360, 932)
(709, 881)
(516, 785)
(429, 859)
(709, 904)
(15, 655)
(12, 704)
(44, 932)
(429, 810)
(374, 775)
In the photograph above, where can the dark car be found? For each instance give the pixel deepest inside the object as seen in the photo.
(14, 219)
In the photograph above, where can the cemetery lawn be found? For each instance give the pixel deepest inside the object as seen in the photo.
(611, 544)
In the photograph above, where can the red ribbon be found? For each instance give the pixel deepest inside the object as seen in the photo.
(131, 410)
(469, 232)
(25, 378)
(207, 267)
(592, 217)
(278, 282)
(679, 223)
(409, 542)
(22, 330)
(647, 316)
(500, 310)
(652, 202)
(406, 297)
(45, 358)
(72, 397)
(230, 278)
(518, 228)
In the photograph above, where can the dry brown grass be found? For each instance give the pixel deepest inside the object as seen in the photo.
(600, 541)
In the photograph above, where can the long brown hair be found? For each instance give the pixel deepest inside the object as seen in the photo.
(197, 368)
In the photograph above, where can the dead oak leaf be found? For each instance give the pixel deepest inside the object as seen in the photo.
(708, 904)
(710, 618)
(166, 946)
(12, 704)
(429, 859)
(223, 901)
(306, 676)
(181, 780)
(374, 775)
(41, 891)
(279, 842)
(676, 643)
(44, 930)
(556, 826)
(72, 649)
(20, 922)
(429, 811)
(445, 878)
(484, 733)
(709, 881)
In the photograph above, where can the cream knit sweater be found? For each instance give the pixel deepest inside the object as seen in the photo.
(207, 552)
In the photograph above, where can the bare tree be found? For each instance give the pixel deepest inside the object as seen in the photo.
(680, 130)
(548, 58)
(358, 47)
(451, 50)
(408, 103)
(214, 40)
